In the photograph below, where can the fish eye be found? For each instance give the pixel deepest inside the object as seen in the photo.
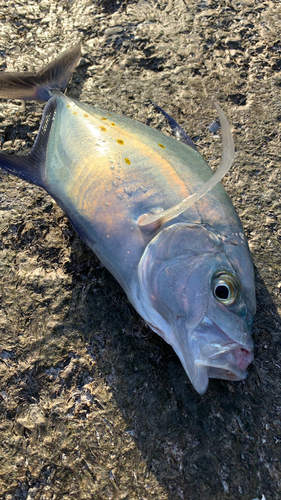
(226, 288)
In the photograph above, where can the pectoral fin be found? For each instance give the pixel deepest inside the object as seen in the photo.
(151, 222)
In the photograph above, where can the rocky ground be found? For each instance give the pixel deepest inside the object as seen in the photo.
(93, 404)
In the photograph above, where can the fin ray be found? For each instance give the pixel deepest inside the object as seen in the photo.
(178, 132)
(31, 167)
(39, 86)
(151, 222)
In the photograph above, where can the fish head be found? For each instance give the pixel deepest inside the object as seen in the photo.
(198, 290)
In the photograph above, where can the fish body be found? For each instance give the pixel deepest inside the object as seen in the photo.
(190, 277)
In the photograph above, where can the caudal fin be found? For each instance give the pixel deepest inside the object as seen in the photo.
(31, 167)
(40, 86)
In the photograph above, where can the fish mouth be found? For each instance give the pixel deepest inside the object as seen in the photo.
(228, 364)
(210, 353)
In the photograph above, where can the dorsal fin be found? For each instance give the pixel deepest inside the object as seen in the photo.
(178, 132)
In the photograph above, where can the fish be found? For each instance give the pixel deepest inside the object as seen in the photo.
(152, 210)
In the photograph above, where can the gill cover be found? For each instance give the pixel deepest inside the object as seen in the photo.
(179, 272)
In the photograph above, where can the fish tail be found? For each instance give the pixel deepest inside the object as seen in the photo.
(31, 167)
(40, 86)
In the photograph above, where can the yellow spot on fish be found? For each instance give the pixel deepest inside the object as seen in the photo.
(108, 114)
(75, 112)
(120, 141)
(103, 118)
(127, 161)
(85, 115)
(68, 105)
(161, 145)
(113, 124)
(103, 129)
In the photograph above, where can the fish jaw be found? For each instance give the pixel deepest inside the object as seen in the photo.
(208, 352)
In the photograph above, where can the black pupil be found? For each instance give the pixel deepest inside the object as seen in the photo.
(222, 292)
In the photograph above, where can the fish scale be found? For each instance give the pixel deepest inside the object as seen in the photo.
(152, 210)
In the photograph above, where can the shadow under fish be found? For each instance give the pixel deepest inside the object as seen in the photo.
(154, 213)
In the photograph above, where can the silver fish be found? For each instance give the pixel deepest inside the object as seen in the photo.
(154, 213)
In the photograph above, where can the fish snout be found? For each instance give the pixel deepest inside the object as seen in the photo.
(208, 352)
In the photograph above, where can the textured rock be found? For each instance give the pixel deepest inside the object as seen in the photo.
(93, 404)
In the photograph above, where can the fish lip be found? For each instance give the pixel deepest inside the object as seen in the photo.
(223, 357)
(208, 352)
(230, 365)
